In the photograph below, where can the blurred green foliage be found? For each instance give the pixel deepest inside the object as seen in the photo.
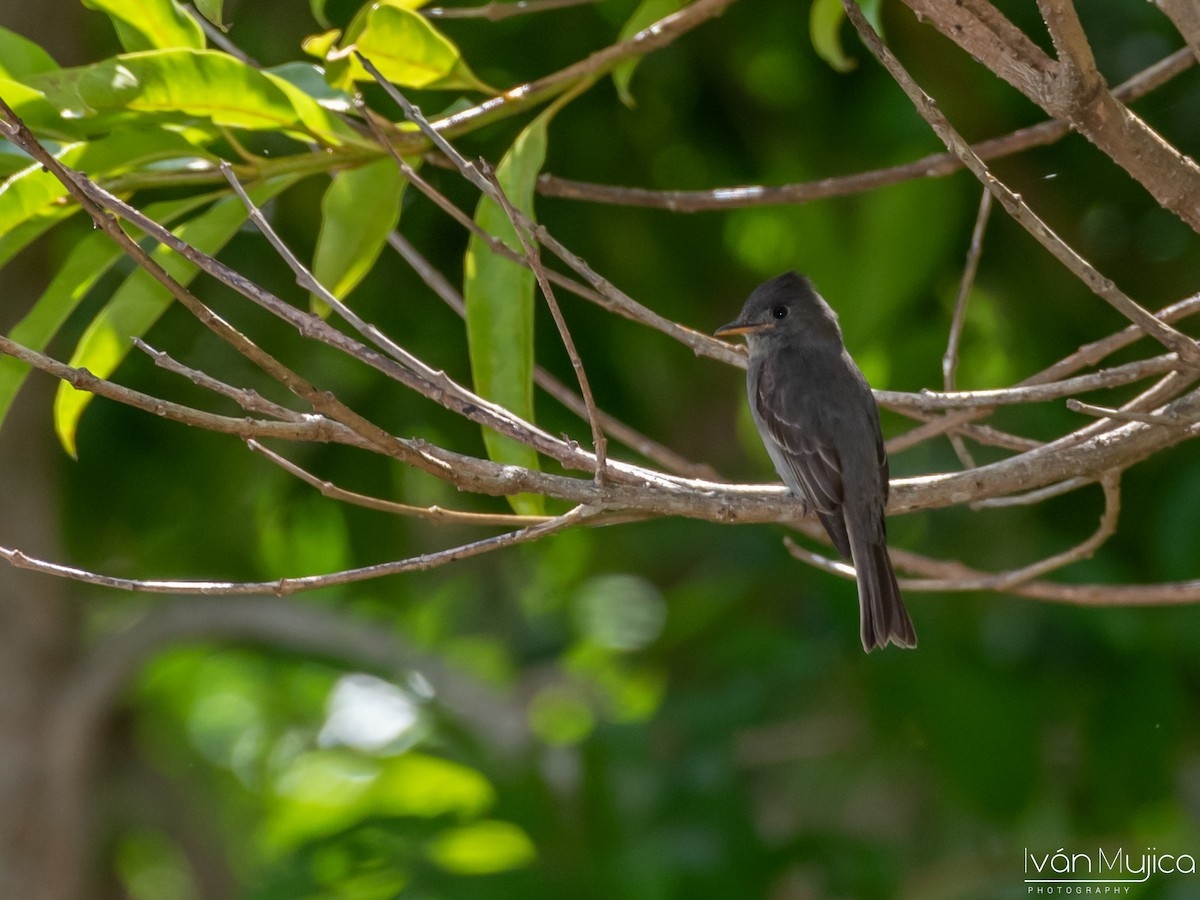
(701, 722)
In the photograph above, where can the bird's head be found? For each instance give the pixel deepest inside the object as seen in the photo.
(786, 308)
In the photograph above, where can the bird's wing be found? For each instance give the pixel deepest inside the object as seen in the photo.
(813, 462)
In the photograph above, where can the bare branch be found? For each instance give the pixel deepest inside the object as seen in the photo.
(1031, 498)
(285, 586)
(958, 319)
(964, 579)
(495, 11)
(1071, 90)
(1187, 349)
(1126, 415)
(248, 399)
(599, 441)
(82, 189)
(611, 298)
(646, 446)
(663, 32)
(935, 165)
(1077, 65)
(1185, 16)
(435, 514)
(1033, 393)
(304, 428)
(974, 252)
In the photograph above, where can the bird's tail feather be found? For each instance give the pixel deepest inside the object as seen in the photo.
(881, 609)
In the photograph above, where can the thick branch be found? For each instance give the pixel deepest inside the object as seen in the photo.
(1071, 89)
(1102, 286)
(1185, 15)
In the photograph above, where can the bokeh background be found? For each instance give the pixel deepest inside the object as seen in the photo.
(676, 709)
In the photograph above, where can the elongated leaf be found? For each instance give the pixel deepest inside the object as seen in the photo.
(647, 13)
(20, 56)
(500, 303)
(17, 239)
(32, 190)
(141, 300)
(406, 49)
(360, 208)
(151, 24)
(176, 84)
(83, 267)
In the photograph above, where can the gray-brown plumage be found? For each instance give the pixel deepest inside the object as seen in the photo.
(820, 425)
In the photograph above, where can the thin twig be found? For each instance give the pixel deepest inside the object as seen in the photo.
(589, 69)
(935, 165)
(1189, 352)
(532, 255)
(1087, 355)
(644, 445)
(495, 11)
(974, 252)
(1128, 373)
(958, 319)
(247, 398)
(996, 581)
(1126, 415)
(306, 428)
(285, 586)
(436, 514)
(82, 189)
(611, 299)
(1031, 498)
(1097, 595)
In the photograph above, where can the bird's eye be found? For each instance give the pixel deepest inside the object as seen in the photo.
(780, 312)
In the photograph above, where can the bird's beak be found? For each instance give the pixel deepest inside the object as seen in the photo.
(742, 328)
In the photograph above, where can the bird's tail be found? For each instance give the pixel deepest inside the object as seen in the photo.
(881, 610)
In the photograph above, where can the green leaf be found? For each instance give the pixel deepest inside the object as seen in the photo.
(87, 262)
(31, 191)
(17, 239)
(12, 160)
(173, 85)
(318, 11)
(321, 45)
(323, 792)
(20, 57)
(647, 13)
(212, 10)
(500, 302)
(824, 25)
(151, 24)
(406, 49)
(141, 300)
(311, 80)
(360, 208)
(35, 110)
(482, 848)
(316, 117)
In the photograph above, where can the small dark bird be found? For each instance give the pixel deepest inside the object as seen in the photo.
(819, 422)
